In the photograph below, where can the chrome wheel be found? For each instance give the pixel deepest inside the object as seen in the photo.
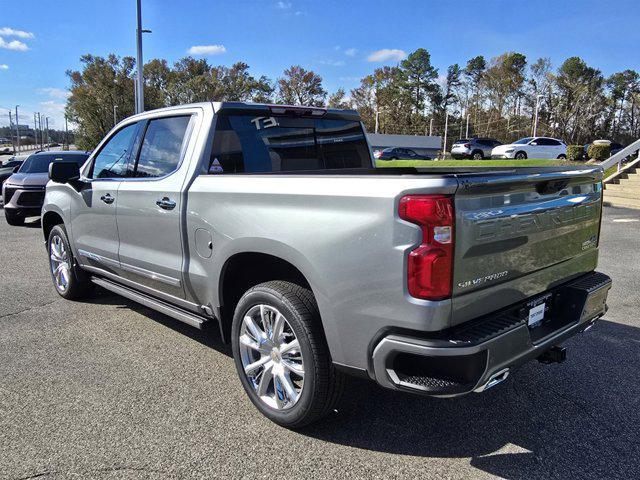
(271, 357)
(60, 266)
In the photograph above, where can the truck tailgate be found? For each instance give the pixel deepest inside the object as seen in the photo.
(519, 233)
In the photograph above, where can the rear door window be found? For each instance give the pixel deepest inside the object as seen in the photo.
(249, 143)
(161, 147)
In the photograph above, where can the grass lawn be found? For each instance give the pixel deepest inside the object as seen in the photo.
(532, 162)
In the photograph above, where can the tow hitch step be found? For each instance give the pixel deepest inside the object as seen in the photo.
(555, 354)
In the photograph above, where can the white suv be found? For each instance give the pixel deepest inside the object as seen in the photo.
(532, 147)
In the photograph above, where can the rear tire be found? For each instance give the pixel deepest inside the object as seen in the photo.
(521, 156)
(269, 318)
(478, 155)
(13, 219)
(69, 281)
(562, 157)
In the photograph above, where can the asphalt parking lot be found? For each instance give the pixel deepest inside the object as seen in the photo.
(109, 389)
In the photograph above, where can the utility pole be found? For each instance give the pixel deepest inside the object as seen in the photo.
(377, 120)
(431, 127)
(35, 131)
(139, 61)
(467, 134)
(17, 128)
(41, 132)
(13, 144)
(446, 126)
(46, 122)
(115, 117)
(66, 132)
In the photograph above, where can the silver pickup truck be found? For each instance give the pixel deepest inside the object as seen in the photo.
(270, 223)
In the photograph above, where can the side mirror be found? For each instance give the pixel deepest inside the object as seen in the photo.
(64, 172)
(534, 143)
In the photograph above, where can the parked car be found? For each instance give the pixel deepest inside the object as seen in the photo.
(397, 153)
(271, 223)
(532, 147)
(8, 167)
(475, 148)
(23, 191)
(6, 149)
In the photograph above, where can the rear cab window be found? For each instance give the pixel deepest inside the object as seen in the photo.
(250, 143)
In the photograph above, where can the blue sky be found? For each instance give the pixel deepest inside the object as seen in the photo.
(342, 41)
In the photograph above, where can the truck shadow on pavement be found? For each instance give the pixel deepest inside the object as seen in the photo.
(579, 419)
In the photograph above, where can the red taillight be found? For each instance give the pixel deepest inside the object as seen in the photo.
(430, 266)
(467, 145)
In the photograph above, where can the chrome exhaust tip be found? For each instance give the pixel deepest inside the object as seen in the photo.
(494, 380)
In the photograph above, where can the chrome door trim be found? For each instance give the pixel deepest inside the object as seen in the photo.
(98, 258)
(175, 282)
(131, 268)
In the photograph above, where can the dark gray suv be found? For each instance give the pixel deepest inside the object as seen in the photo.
(23, 192)
(475, 148)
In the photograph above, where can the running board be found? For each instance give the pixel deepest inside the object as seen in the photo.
(153, 303)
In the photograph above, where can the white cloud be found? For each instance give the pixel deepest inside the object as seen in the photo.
(55, 92)
(4, 66)
(13, 45)
(284, 5)
(387, 54)
(207, 50)
(351, 52)
(333, 63)
(10, 32)
(55, 111)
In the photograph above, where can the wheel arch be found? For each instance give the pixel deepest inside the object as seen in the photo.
(49, 220)
(245, 269)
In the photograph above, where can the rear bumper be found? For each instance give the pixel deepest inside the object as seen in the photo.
(477, 355)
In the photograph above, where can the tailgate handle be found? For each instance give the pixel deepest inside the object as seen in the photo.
(551, 186)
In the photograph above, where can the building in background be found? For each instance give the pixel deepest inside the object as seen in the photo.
(421, 144)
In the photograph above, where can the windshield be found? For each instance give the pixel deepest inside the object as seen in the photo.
(523, 141)
(40, 163)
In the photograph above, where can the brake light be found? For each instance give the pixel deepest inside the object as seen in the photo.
(430, 266)
(467, 145)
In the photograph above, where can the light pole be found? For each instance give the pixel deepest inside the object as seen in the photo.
(140, 78)
(115, 117)
(535, 121)
(467, 132)
(17, 128)
(377, 120)
(46, 123)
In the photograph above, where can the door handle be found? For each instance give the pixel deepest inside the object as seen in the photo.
(108, 199)
(166, 203)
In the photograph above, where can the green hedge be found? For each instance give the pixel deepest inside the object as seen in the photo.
(575, 152)
(599, 152)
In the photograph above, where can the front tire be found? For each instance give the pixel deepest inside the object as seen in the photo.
(281, 355)
(70, 282)
(13, 219)
(521, 156)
